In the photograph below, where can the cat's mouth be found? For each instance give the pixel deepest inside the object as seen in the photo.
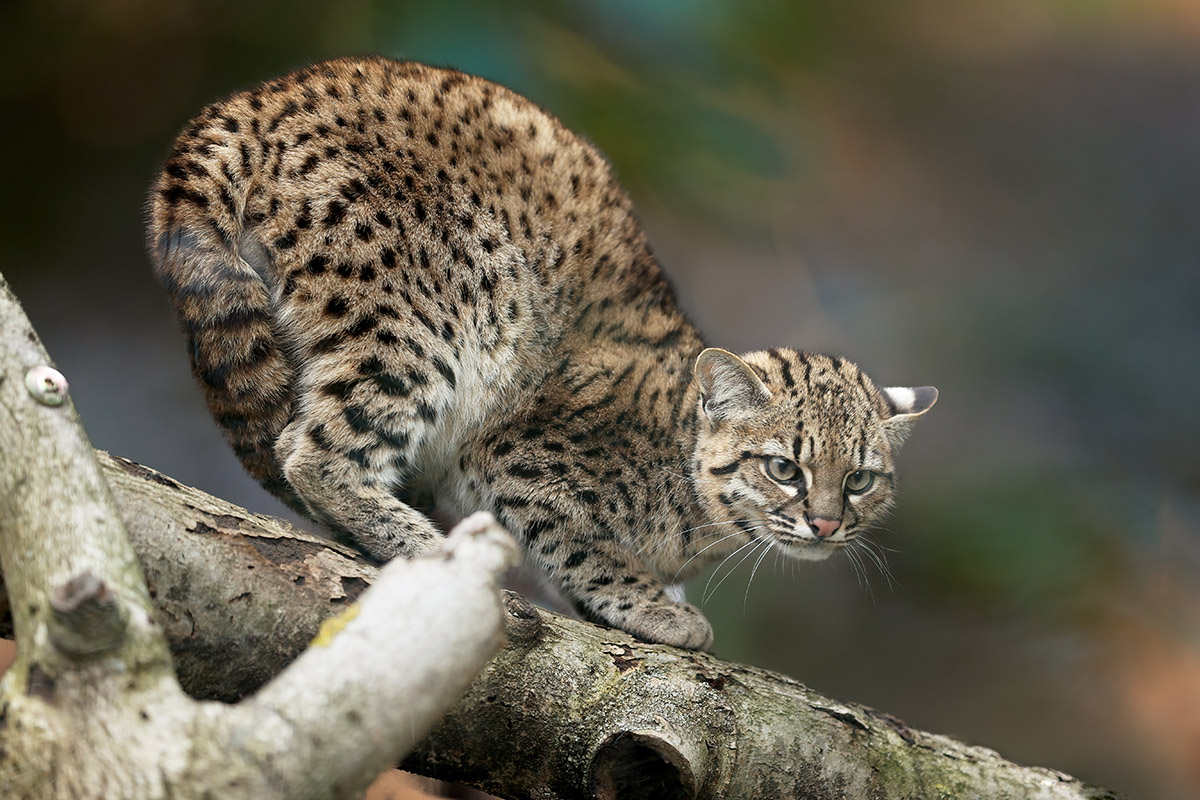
(807, 547)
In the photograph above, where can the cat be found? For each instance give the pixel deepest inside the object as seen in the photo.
(409, 291)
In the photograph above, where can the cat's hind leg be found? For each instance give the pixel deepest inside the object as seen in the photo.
(351, 450)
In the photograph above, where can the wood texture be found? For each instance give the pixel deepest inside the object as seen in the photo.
(91, 707)
(568, 709)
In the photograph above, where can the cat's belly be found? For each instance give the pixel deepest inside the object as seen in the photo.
(488, 388)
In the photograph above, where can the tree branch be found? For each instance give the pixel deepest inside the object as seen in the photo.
(567, 709)
(92, 708)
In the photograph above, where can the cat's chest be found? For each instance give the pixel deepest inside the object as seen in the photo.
(485, 390)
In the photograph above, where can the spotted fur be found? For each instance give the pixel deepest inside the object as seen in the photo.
(407, 291)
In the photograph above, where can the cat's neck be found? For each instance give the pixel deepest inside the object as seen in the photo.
(689, 419)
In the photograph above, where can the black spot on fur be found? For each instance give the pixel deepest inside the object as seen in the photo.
(337, 306)
(525, 471)
(334, 214)
(445, 369)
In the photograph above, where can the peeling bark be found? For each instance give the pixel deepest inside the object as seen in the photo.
(568, 709)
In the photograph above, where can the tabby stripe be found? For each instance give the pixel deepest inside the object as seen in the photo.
(526, 471)
(392, 385)
(666, 340)
(607, 400)
(637, 391)
(624, 374)
(445, 369)
(744, 525)
(260, 351)
(784, 367)
(727, 469)
(356, 418)
(228, 322)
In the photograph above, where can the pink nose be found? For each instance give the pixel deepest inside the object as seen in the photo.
(824, 528)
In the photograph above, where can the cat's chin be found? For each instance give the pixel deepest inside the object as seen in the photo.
(810, 551)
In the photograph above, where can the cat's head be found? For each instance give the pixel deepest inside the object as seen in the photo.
(796, 449)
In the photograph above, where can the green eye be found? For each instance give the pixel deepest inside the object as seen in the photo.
(782, 470)
(859, 481)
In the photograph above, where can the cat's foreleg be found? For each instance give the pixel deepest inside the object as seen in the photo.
(611, 586)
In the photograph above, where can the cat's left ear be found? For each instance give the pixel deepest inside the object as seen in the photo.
(907, 405)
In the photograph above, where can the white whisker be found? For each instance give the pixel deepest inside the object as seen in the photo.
(880, 562)
(754, 571)
(861, 570)
(652, 547)
(853, 558)
(714, 544)
(752, 544)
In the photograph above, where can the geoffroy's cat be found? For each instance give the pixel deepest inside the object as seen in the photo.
(409, 291)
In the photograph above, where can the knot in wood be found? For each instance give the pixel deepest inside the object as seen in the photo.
(86, 617)
(523, 623)
(47, 385)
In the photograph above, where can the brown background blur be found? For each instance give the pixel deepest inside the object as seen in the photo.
(1001, 198)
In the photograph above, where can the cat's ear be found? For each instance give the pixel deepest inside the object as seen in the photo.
(906, 405)
(728, 386)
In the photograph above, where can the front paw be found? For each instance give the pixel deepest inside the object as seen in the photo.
(677, 624)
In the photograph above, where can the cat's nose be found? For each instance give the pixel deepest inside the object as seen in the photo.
(824, 528)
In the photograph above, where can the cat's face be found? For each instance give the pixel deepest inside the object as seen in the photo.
(795, 451)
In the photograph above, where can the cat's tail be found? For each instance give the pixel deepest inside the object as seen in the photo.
(223, 306)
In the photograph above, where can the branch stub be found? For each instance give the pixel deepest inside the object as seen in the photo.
(87, 617)
(644, 765)
(47, 385)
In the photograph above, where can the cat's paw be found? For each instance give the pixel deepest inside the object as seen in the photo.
(403, 537)
(677, 624)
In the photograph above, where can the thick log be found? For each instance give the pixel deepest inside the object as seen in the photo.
(568, 709)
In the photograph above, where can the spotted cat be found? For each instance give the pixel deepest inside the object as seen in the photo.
(407, 291)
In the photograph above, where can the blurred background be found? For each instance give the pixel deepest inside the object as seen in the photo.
(1000, 198)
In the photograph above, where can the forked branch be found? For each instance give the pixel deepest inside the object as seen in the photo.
(567, 709)
(92, 707)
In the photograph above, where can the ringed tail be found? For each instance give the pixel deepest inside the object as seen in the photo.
(224, 309)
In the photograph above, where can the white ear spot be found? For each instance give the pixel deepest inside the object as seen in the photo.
(900, 397)
(907, 404)
(912, 401)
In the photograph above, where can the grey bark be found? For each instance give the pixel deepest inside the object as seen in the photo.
(566, 710)
(92, 708)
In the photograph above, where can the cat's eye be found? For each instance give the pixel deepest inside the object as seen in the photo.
(859, 481)
(782, 470)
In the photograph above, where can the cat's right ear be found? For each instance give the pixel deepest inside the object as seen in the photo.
(728, 386)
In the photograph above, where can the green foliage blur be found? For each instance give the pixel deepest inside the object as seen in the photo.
(1000, 198)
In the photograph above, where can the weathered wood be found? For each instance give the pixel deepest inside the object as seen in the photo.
(92, 708)
(567, 709)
